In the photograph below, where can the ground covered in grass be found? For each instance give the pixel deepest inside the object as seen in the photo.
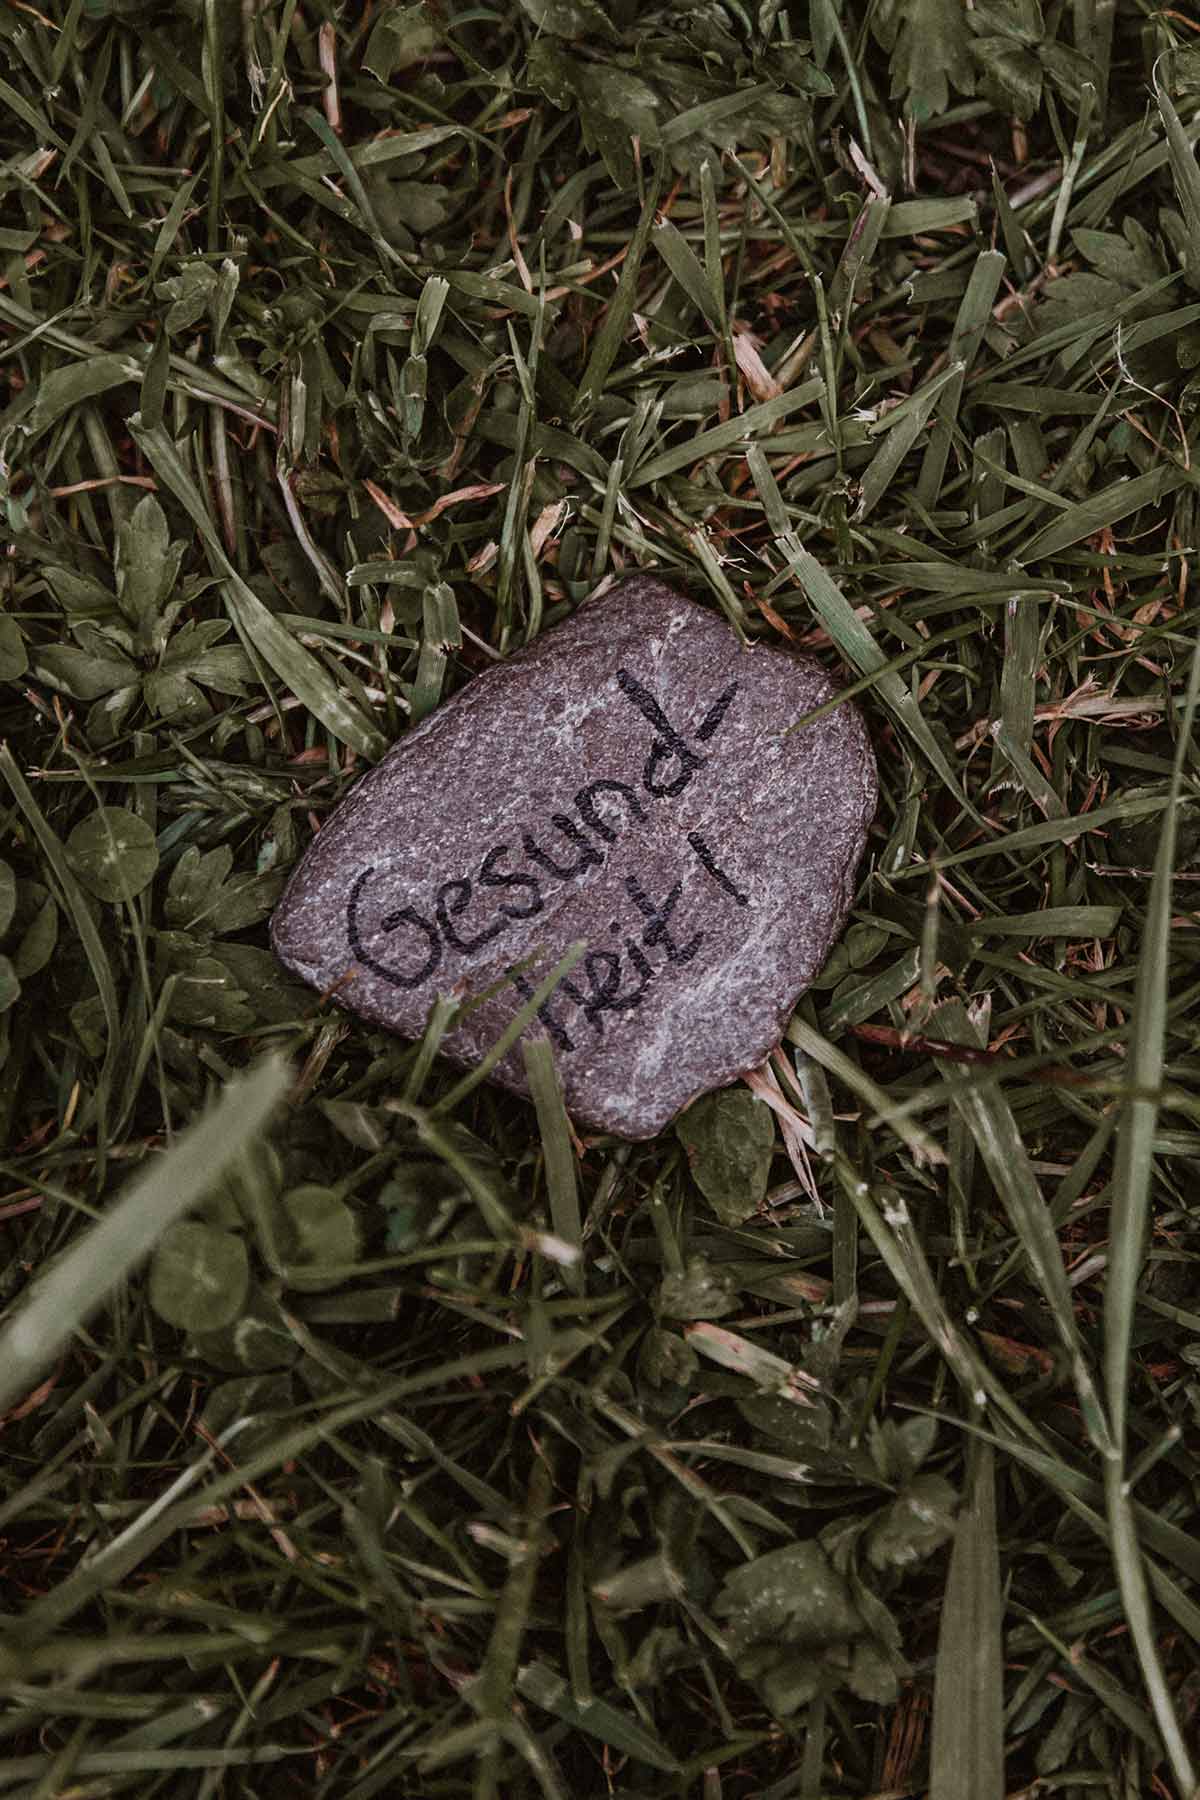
(364, 1432)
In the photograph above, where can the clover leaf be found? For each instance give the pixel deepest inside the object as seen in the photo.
(729, 1138)
(214, 981)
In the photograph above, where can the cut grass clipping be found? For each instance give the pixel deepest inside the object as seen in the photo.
(358, 1419)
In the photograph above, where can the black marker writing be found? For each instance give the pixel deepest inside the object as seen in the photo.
(453, 898)
(527, 990)
(392, 922)
(589, 812)
(718, 874)
(667, 745)
(491, 875)
(602, 807)
(588, 856)
(711, 722)
(603, 971)
(656, 931)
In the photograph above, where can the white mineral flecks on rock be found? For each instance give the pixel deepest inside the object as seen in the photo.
(629, 782)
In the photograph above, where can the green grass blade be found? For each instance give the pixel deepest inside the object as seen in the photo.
(967, 1749)
(855, 642)
(828, 1057)
(258, 627)
(1186, 175)
(990, 1119)
(620, 310)
(70, 1291)
(561, 1185)
(89, 937)
(1130, 1211)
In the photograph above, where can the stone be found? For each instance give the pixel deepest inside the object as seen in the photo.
(628, 781)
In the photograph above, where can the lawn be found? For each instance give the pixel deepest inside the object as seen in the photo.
(364, 1429)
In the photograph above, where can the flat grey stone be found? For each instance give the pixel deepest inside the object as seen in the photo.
(628, 781)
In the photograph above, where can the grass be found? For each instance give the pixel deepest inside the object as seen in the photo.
(363, 1431)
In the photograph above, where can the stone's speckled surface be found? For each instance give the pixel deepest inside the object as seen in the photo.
(625, 781)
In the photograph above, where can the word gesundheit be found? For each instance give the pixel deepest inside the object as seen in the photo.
(421, 942)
